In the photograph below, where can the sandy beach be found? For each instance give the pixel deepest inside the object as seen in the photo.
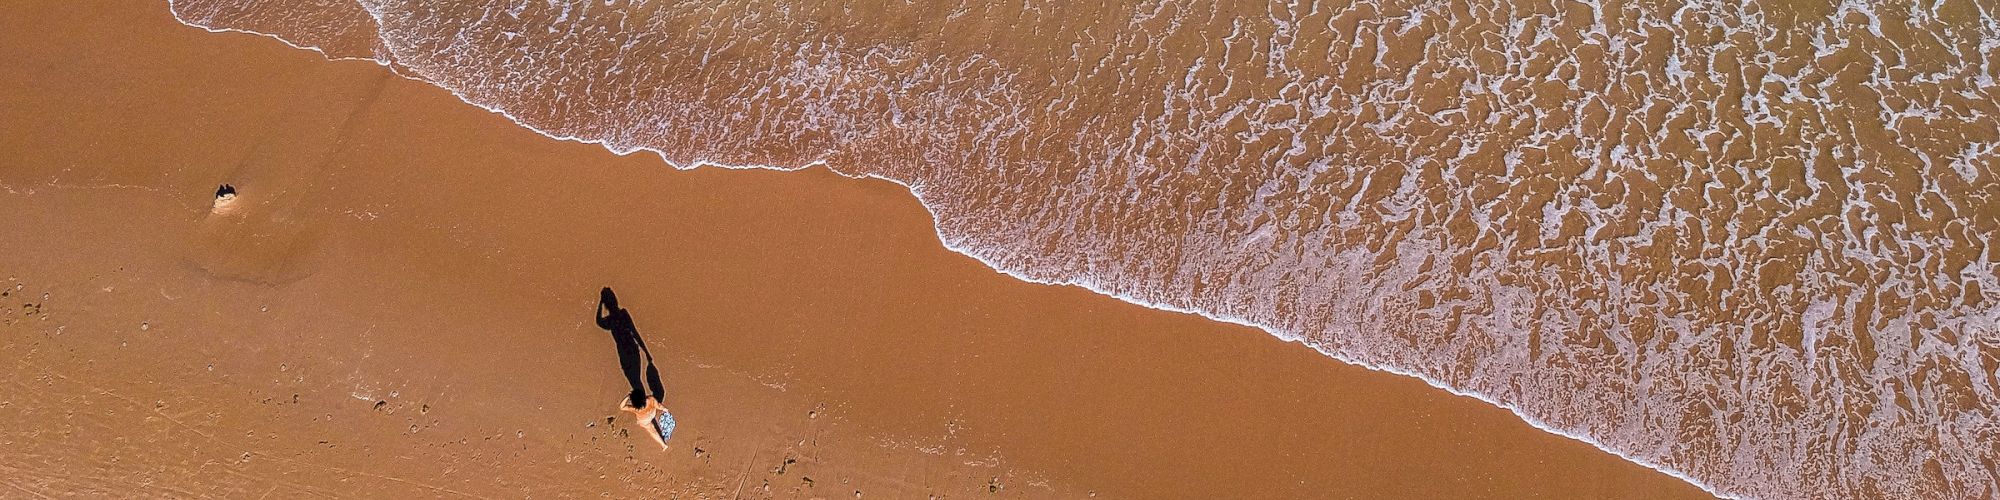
(398, 304)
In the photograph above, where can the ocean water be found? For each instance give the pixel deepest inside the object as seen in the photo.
(1747, 243)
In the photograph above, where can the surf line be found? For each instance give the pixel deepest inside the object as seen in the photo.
(949, 244)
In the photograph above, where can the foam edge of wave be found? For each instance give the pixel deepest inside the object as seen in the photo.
(948, 244)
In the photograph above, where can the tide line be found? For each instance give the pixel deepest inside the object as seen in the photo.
(948, 243)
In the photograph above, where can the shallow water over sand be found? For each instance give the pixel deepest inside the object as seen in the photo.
(1745, 244)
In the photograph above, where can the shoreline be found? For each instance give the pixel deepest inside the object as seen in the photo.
(767, 377)
(946, 244)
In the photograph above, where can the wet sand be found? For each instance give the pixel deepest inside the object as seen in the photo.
(399, 304)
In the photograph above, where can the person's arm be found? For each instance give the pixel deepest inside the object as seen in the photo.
(601, 317)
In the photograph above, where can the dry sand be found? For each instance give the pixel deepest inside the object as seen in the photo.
(399, 303)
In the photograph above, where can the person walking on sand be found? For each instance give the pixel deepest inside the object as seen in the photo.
(633, 360)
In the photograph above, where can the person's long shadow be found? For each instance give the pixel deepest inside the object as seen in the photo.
(632, 352)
